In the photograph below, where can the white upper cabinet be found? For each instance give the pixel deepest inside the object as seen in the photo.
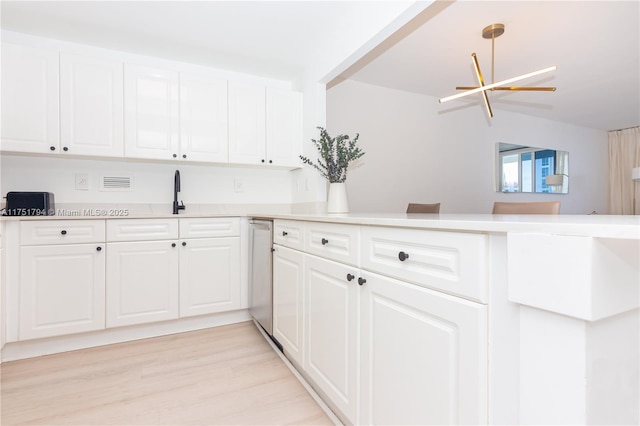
(265, 125)
(246, 124)
(203, 119)
(91, 106)
(151, 112)
(284, 127)
(94, 104)
(30, 102)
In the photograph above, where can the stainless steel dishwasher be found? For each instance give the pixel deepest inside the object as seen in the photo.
(260, 274)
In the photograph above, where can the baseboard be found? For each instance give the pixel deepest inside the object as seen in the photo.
(32, 348)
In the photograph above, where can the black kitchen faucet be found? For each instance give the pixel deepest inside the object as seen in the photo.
(176, 188)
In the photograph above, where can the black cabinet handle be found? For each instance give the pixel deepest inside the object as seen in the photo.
(63, 232)
(262, 160)
(65, 149)
(403, 256)
(175, 155)
(270, 161)
(361, 281)
(350, 277)
(184, 155)
(52, 148)
(173, 244)
(284, 233)
(184, 243)
(324, 241)
(98, 248)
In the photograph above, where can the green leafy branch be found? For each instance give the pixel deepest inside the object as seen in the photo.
(335, 155)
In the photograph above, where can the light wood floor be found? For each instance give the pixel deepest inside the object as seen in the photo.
(223, 375)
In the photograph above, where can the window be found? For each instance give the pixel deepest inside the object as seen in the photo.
(524, 169)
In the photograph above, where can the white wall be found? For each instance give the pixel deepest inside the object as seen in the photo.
(153, 181)
(420, 151)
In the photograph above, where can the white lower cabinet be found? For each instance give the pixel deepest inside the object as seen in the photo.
(142, 282)
(381, 350)
(188, 267)
(331, 333)
(209, 275)
(423, 355)
(288, 298)
(61, 289)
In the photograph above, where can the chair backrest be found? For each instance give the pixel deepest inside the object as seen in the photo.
(423, 208)
(541, 207)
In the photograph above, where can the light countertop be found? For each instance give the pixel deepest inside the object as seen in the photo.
(604, 226)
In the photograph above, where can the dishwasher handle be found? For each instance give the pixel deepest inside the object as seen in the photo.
(261, 225)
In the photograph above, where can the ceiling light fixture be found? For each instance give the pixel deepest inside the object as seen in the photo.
(493, 31)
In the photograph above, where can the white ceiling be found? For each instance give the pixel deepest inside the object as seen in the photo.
(596, 45)
(275, 39)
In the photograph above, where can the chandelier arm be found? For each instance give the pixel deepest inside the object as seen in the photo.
(513, 88)
(498, 84)
(476, 66)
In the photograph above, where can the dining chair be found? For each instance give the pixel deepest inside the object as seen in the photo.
(423, 208)
(540, 207)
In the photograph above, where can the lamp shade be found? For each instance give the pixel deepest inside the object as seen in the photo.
(635, 173)
(554, 180)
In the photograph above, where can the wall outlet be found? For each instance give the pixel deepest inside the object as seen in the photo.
(238, 185)
(82, 182)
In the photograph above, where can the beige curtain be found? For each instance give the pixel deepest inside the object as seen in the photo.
(624, 155)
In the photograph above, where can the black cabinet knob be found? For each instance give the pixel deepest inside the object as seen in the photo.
(65, 149)
(184, 155)
(184, 243)
(403, 256)
(98, 248)
(52, 148)
(173, 244)
(284, 233)
(350, 277)
(262, 160)
(175, 155)
(63, 232)
(270, 161)
(361, 281)
(324, 241)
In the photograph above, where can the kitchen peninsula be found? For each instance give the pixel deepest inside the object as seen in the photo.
(479, 318)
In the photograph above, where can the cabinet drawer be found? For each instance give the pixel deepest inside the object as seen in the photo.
(332, 241)
(289, 233)
(44, 232)
(210, 227)
(452, 262)
(142, 229)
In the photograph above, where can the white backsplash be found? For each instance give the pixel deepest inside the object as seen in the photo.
(152, 182)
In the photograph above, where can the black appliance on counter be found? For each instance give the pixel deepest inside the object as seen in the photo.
(30, 204)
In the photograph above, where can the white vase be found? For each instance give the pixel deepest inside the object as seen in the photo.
(337, 199)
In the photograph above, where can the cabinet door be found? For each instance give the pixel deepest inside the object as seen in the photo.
(424, 355)
(142, 282)
(246, 124)
(61, 289)
(209, 275)
(151, 112)
(91, 106)
(284, 127)
(331, 337)
(288, 301)
(30, 101)
(203, 119)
